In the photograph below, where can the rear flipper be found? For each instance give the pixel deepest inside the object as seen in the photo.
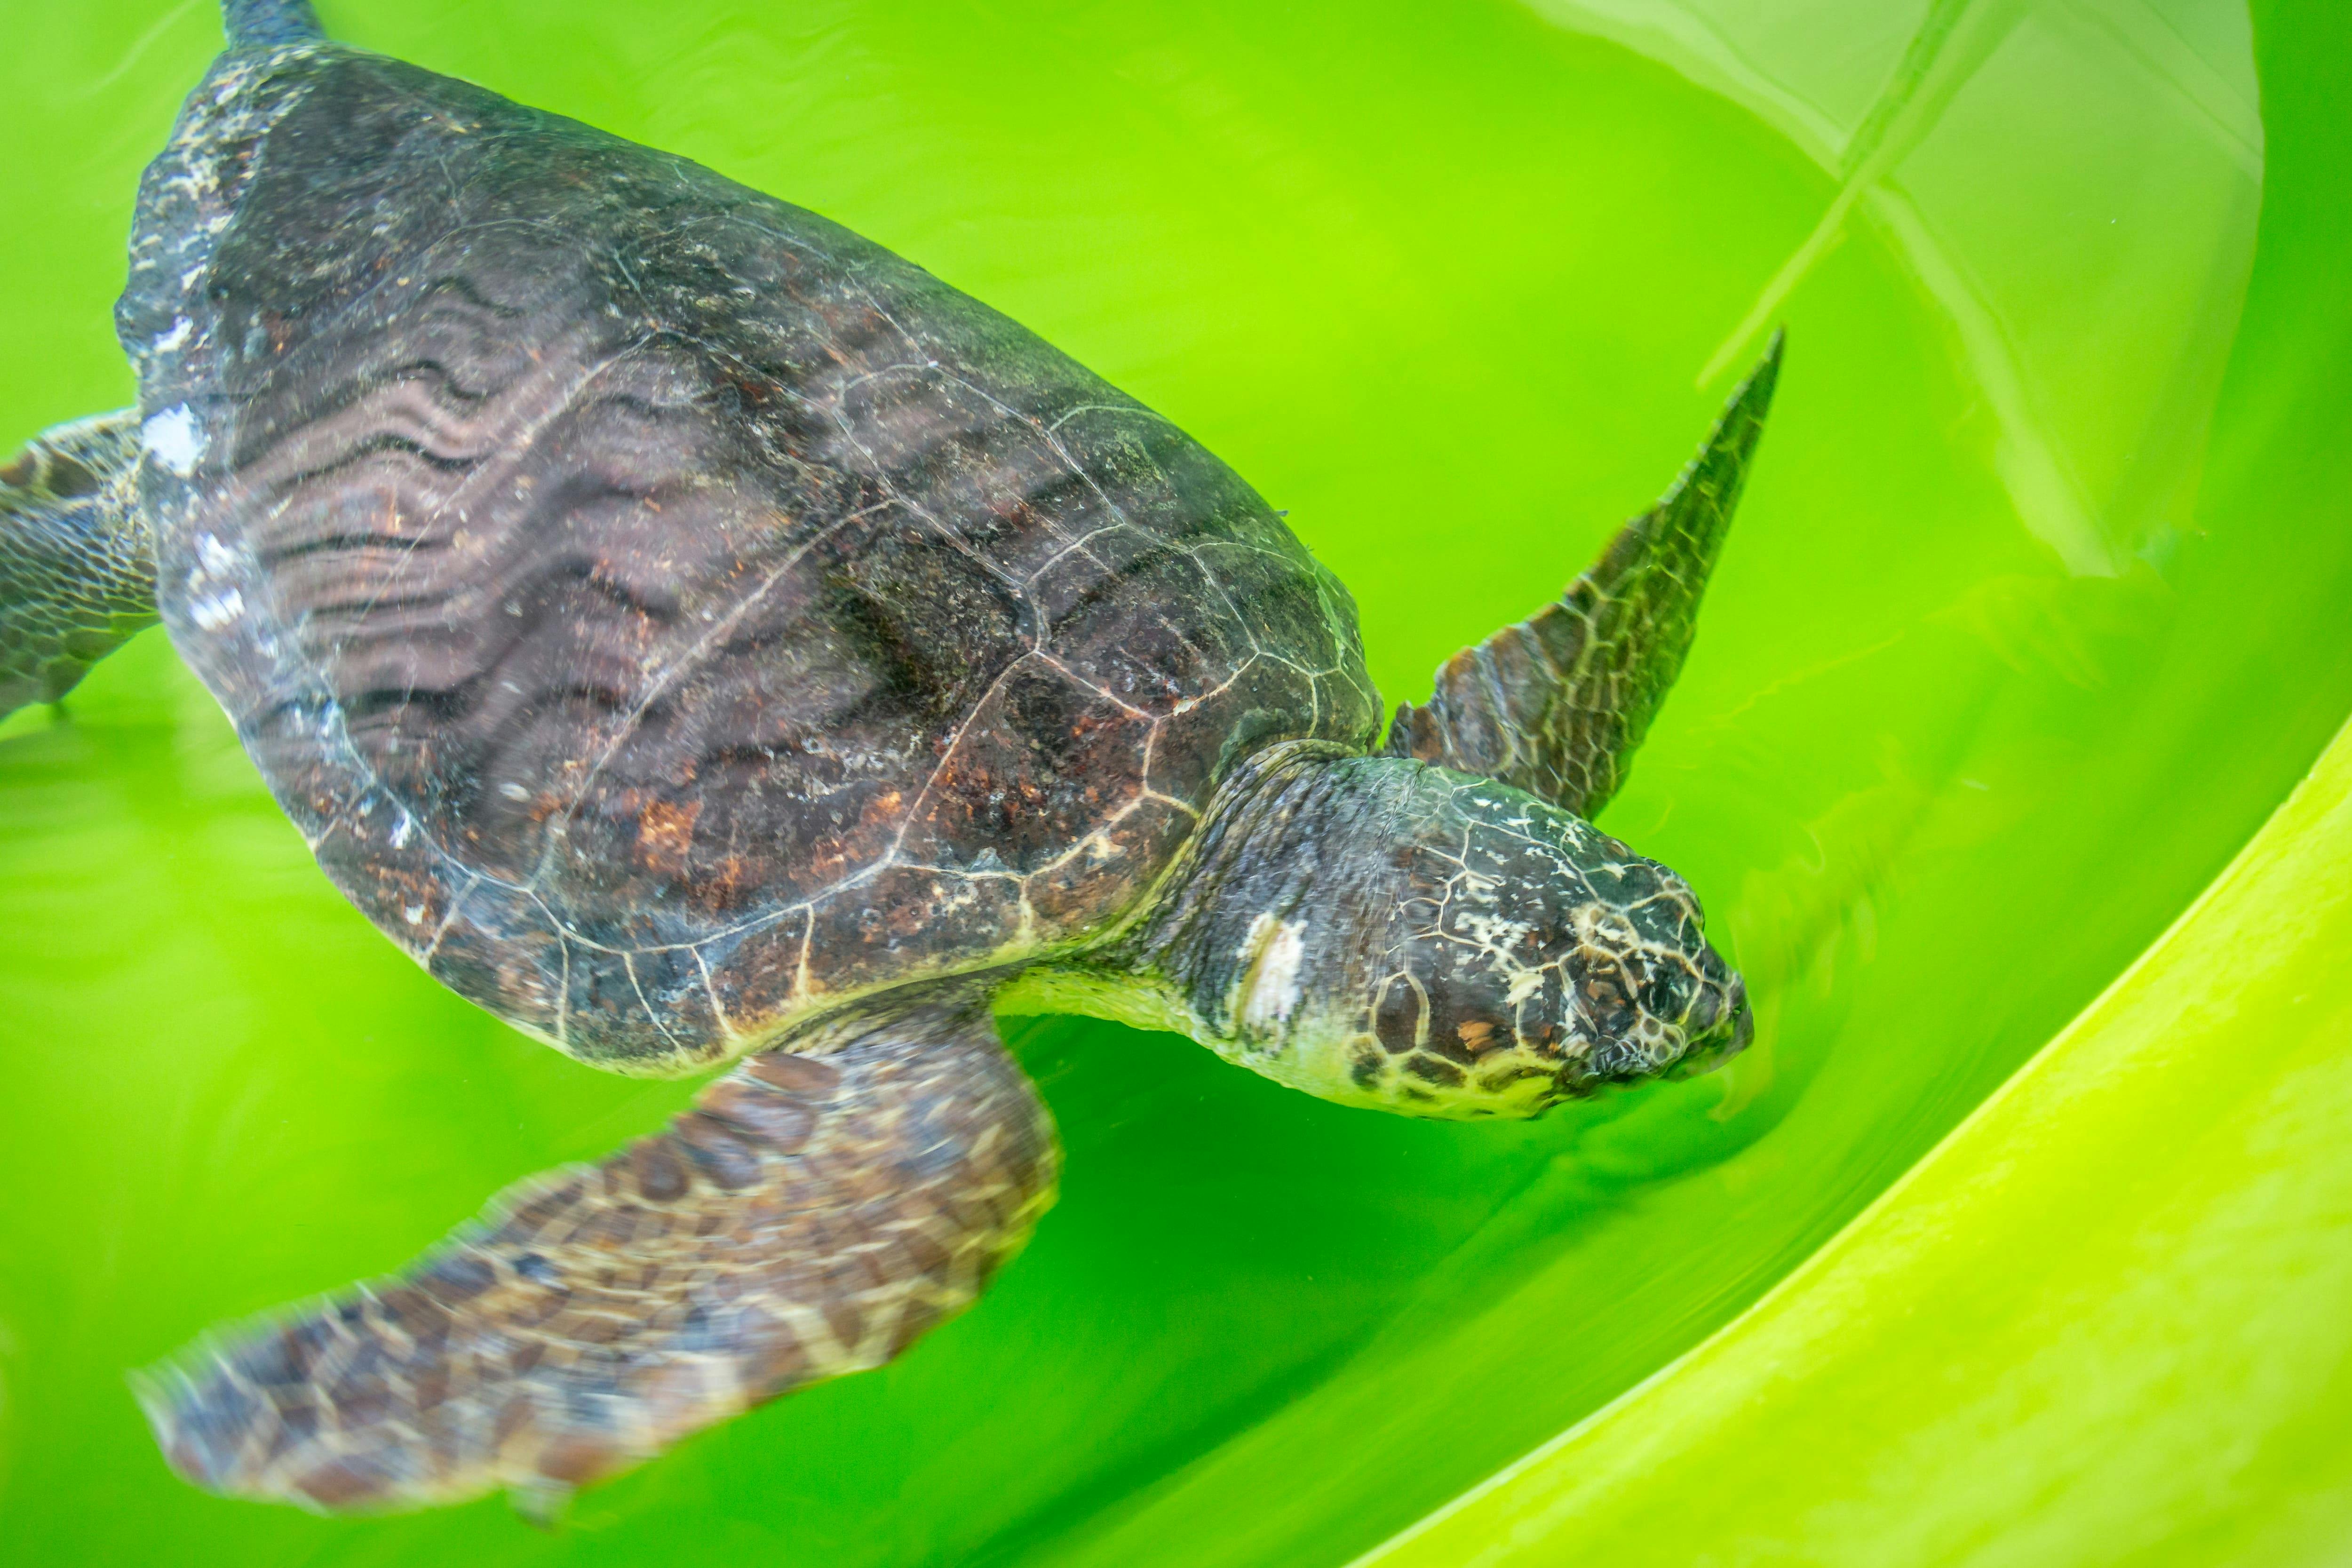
(77, 559)
(811, 1216)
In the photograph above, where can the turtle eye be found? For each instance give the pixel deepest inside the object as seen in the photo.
(1605, 997)
(1668, 994)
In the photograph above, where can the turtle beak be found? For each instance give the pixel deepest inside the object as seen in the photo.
(1720, 1026)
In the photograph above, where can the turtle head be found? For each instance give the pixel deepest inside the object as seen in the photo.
(1379, 931)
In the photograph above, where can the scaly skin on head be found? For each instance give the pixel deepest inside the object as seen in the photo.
(1379, 932)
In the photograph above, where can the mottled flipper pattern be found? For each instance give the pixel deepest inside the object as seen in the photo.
(813, 1214)
(77, 560)
(1557, 703)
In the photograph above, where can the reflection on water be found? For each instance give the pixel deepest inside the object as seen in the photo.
(1436, 278)
(2076, 183)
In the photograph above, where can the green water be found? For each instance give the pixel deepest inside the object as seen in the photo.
(2034, 610)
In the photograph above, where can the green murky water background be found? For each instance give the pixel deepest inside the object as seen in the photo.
(2036, 608)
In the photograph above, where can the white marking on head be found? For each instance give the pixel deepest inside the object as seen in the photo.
(219, 610)
(173, 439)
(166, 342)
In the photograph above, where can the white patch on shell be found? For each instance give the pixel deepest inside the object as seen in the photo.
(173, 439)
(1269, 989)
(217, 610)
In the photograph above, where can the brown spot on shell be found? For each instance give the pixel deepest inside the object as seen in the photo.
(666, 834)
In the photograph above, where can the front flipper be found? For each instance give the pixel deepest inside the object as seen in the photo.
(1557, 703)
(76, 562)
(813, 1214)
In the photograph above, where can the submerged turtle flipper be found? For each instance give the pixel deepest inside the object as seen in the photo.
(811, 1216)
(1557, 703)
(77, 560)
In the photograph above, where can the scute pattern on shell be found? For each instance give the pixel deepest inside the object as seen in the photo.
(665, 612)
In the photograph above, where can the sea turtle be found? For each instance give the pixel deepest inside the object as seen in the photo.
(694, 633)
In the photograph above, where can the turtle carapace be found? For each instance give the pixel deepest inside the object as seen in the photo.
(697, 634)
